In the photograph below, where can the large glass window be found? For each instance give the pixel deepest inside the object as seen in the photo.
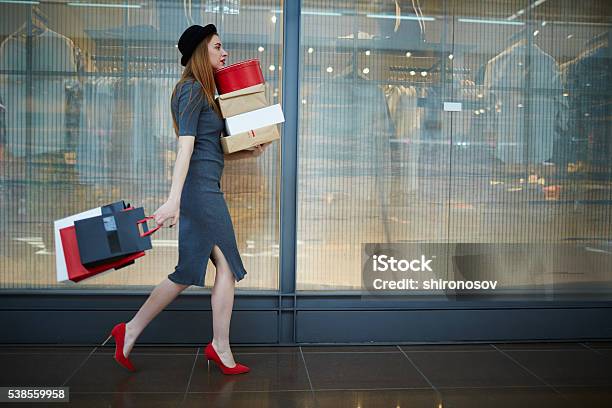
(85, 120)
(515, 175)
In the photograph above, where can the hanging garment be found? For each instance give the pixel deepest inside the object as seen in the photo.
(588, 83)
(96, 123)
(524, 83)
(345, 158)
(51, 53)
(406, 117)
(351, 123)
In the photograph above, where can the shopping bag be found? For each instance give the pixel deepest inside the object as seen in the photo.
(76, 271)
(109, 237)
(60, 260)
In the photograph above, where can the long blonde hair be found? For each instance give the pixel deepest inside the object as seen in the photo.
(198, 68)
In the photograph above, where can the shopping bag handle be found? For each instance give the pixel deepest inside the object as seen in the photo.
(149, 232)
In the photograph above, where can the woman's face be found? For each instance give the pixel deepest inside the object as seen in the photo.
(216, 53)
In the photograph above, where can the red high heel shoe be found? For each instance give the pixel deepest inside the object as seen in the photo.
(211, 354)
(118, 333)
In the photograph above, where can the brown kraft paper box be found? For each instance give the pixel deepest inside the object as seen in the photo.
(242, 100)
(246, 140)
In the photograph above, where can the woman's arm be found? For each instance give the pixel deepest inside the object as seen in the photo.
(185, 149)
(171, 207)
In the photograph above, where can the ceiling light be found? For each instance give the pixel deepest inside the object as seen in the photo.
(330, 69)
(366, 70)
(105, 5)
(394, 17)
(310, 50)
(408, 54)
(321, 13)
(479, 21)
(20, 2)
(260, 49)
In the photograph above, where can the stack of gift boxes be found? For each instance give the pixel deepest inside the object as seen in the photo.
(249, 119)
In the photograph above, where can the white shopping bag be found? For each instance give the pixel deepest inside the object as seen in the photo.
(60, 262)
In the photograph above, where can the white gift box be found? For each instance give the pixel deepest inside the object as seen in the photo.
(270, 115)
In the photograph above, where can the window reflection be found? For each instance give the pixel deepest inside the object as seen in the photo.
(522, 157)
(85, 120)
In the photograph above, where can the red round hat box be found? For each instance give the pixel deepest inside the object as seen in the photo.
(238, 76)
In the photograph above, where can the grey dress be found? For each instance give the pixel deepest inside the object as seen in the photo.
(204, 217)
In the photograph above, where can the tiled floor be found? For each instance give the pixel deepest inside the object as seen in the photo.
(439, 376)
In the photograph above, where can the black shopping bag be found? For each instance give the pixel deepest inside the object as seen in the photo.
(112, 236)
(114, 207)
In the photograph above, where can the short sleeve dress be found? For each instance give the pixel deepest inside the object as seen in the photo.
(204, 216)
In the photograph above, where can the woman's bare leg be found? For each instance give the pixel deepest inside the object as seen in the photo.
(222, 301)
(162, 295)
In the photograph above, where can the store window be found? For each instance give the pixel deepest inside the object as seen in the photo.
(513, 172)
(85, 121)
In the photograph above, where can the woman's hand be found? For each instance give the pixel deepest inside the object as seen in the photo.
(259, 149)
(170, 209)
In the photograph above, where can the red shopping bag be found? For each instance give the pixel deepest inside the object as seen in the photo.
(76, 271)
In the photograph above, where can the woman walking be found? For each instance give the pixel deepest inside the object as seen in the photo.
(206, 229)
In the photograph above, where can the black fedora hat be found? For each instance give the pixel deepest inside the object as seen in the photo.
(191, 38)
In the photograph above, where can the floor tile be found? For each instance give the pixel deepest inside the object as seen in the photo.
(599, 344)
(592, 397)
(273, 399)
(269, 372)
(564, 368)
(541, 397)
(607, 353)
(350, 349)
(539, 346)
(38, 369)
(343, 376)
(377, 398)
(448, 347)
(468, 369)
(161, 373)
(125, 399)
(143, 349)
(362, 370)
